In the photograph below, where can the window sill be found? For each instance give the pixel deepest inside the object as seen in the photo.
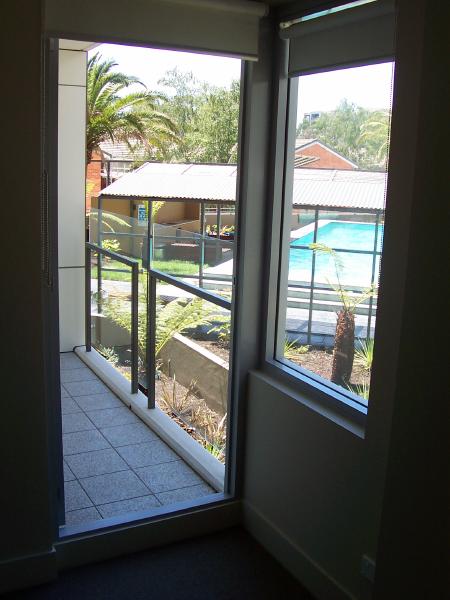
(332, 405)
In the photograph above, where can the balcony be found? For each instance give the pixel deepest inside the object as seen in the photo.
(115, 464)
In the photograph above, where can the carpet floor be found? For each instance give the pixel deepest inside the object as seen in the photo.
(229, 565)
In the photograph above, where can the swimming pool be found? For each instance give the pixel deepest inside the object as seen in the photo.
(346, 235)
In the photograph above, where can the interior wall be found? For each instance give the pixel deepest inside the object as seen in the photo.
(314, 491)
(71, 195)
(412, 560)
(308, 491)
(26, 528)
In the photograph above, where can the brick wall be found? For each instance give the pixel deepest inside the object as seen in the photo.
(327, 159)
(93, 179)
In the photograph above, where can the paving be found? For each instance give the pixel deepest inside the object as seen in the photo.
(114, 464)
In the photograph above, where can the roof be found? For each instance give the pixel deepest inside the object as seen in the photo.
(177, 181)
(301, 142)
(340, 189)
(217, 183)
(121, 151)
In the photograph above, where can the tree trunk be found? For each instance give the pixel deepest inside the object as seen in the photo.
(344, 348)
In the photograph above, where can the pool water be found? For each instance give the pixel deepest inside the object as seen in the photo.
(357, 268)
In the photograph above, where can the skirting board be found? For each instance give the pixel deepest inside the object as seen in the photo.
(27, 571)
(321, 585)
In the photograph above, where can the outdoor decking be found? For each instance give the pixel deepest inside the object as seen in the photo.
(113, 463)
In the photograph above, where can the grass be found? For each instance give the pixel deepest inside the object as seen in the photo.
(171, 267)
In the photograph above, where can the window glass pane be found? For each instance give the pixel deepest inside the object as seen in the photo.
(333, 242)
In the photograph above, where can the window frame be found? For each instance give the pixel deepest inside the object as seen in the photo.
(345, 408)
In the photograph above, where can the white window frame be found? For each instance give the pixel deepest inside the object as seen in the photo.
(345, 408)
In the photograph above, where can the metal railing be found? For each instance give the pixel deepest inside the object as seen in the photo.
(134, 265)
(313, 286)
(153, 276)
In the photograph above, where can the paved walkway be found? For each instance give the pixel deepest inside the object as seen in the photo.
(113, 463)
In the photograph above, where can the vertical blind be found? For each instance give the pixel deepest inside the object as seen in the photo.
(214, 26)
(358, 35)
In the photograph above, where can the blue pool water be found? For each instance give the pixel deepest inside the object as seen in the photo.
(357, 268)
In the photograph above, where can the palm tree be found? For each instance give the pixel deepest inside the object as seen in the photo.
(344, 339)
(131, 117)
(375, 133)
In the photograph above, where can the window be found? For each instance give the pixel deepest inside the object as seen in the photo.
(335, 178)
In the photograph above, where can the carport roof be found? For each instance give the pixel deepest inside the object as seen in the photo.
(217, 184)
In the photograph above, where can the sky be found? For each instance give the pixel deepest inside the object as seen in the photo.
(368, 86)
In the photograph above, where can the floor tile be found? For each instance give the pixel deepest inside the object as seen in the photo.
(84, 388)
(124, 435)
(168, 476)
(75, 497)
(147, 454)
(110, 417)
(83, 515)
(99, 401)
(81, 374)
(97, 462)
(76, 421)
(69, 360)
(124, 507)
(104, 489)
(183, 494)
(68, 405)
(83, 441)
(64, 393)
(68, 475)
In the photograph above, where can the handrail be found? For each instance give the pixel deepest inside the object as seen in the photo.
(130, 262)
(153, 276)
(134, 264)
(187, 287)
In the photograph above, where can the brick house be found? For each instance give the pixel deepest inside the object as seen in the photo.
(314, 154)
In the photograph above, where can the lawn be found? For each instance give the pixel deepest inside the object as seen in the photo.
(171, 267)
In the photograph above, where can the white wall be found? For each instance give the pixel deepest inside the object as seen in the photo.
(318, 496)
(71, 195)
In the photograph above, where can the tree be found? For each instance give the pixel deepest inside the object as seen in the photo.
(344, 339)
(207, 117)
(375, 135)
(131, 117)
(216, 133)
(355, 132)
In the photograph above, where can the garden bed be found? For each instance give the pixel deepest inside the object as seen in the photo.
(190, 411)
(320, 362)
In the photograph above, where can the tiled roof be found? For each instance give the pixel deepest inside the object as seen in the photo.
(217, 183)
(300, 142)
(121, 151)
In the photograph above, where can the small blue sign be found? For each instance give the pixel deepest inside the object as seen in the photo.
(142, 214)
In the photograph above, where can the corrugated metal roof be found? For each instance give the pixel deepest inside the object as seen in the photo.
(343, 189)
(172, 180)
(319, 187)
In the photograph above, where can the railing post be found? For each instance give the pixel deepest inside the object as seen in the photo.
(151, 341)
(219, 227)
(134, 328)
(202, 244)
(87, 299)
(313, 271)
(99, 256)
(372, 278)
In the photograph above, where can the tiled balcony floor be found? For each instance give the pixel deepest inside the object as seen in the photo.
(113, 463)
